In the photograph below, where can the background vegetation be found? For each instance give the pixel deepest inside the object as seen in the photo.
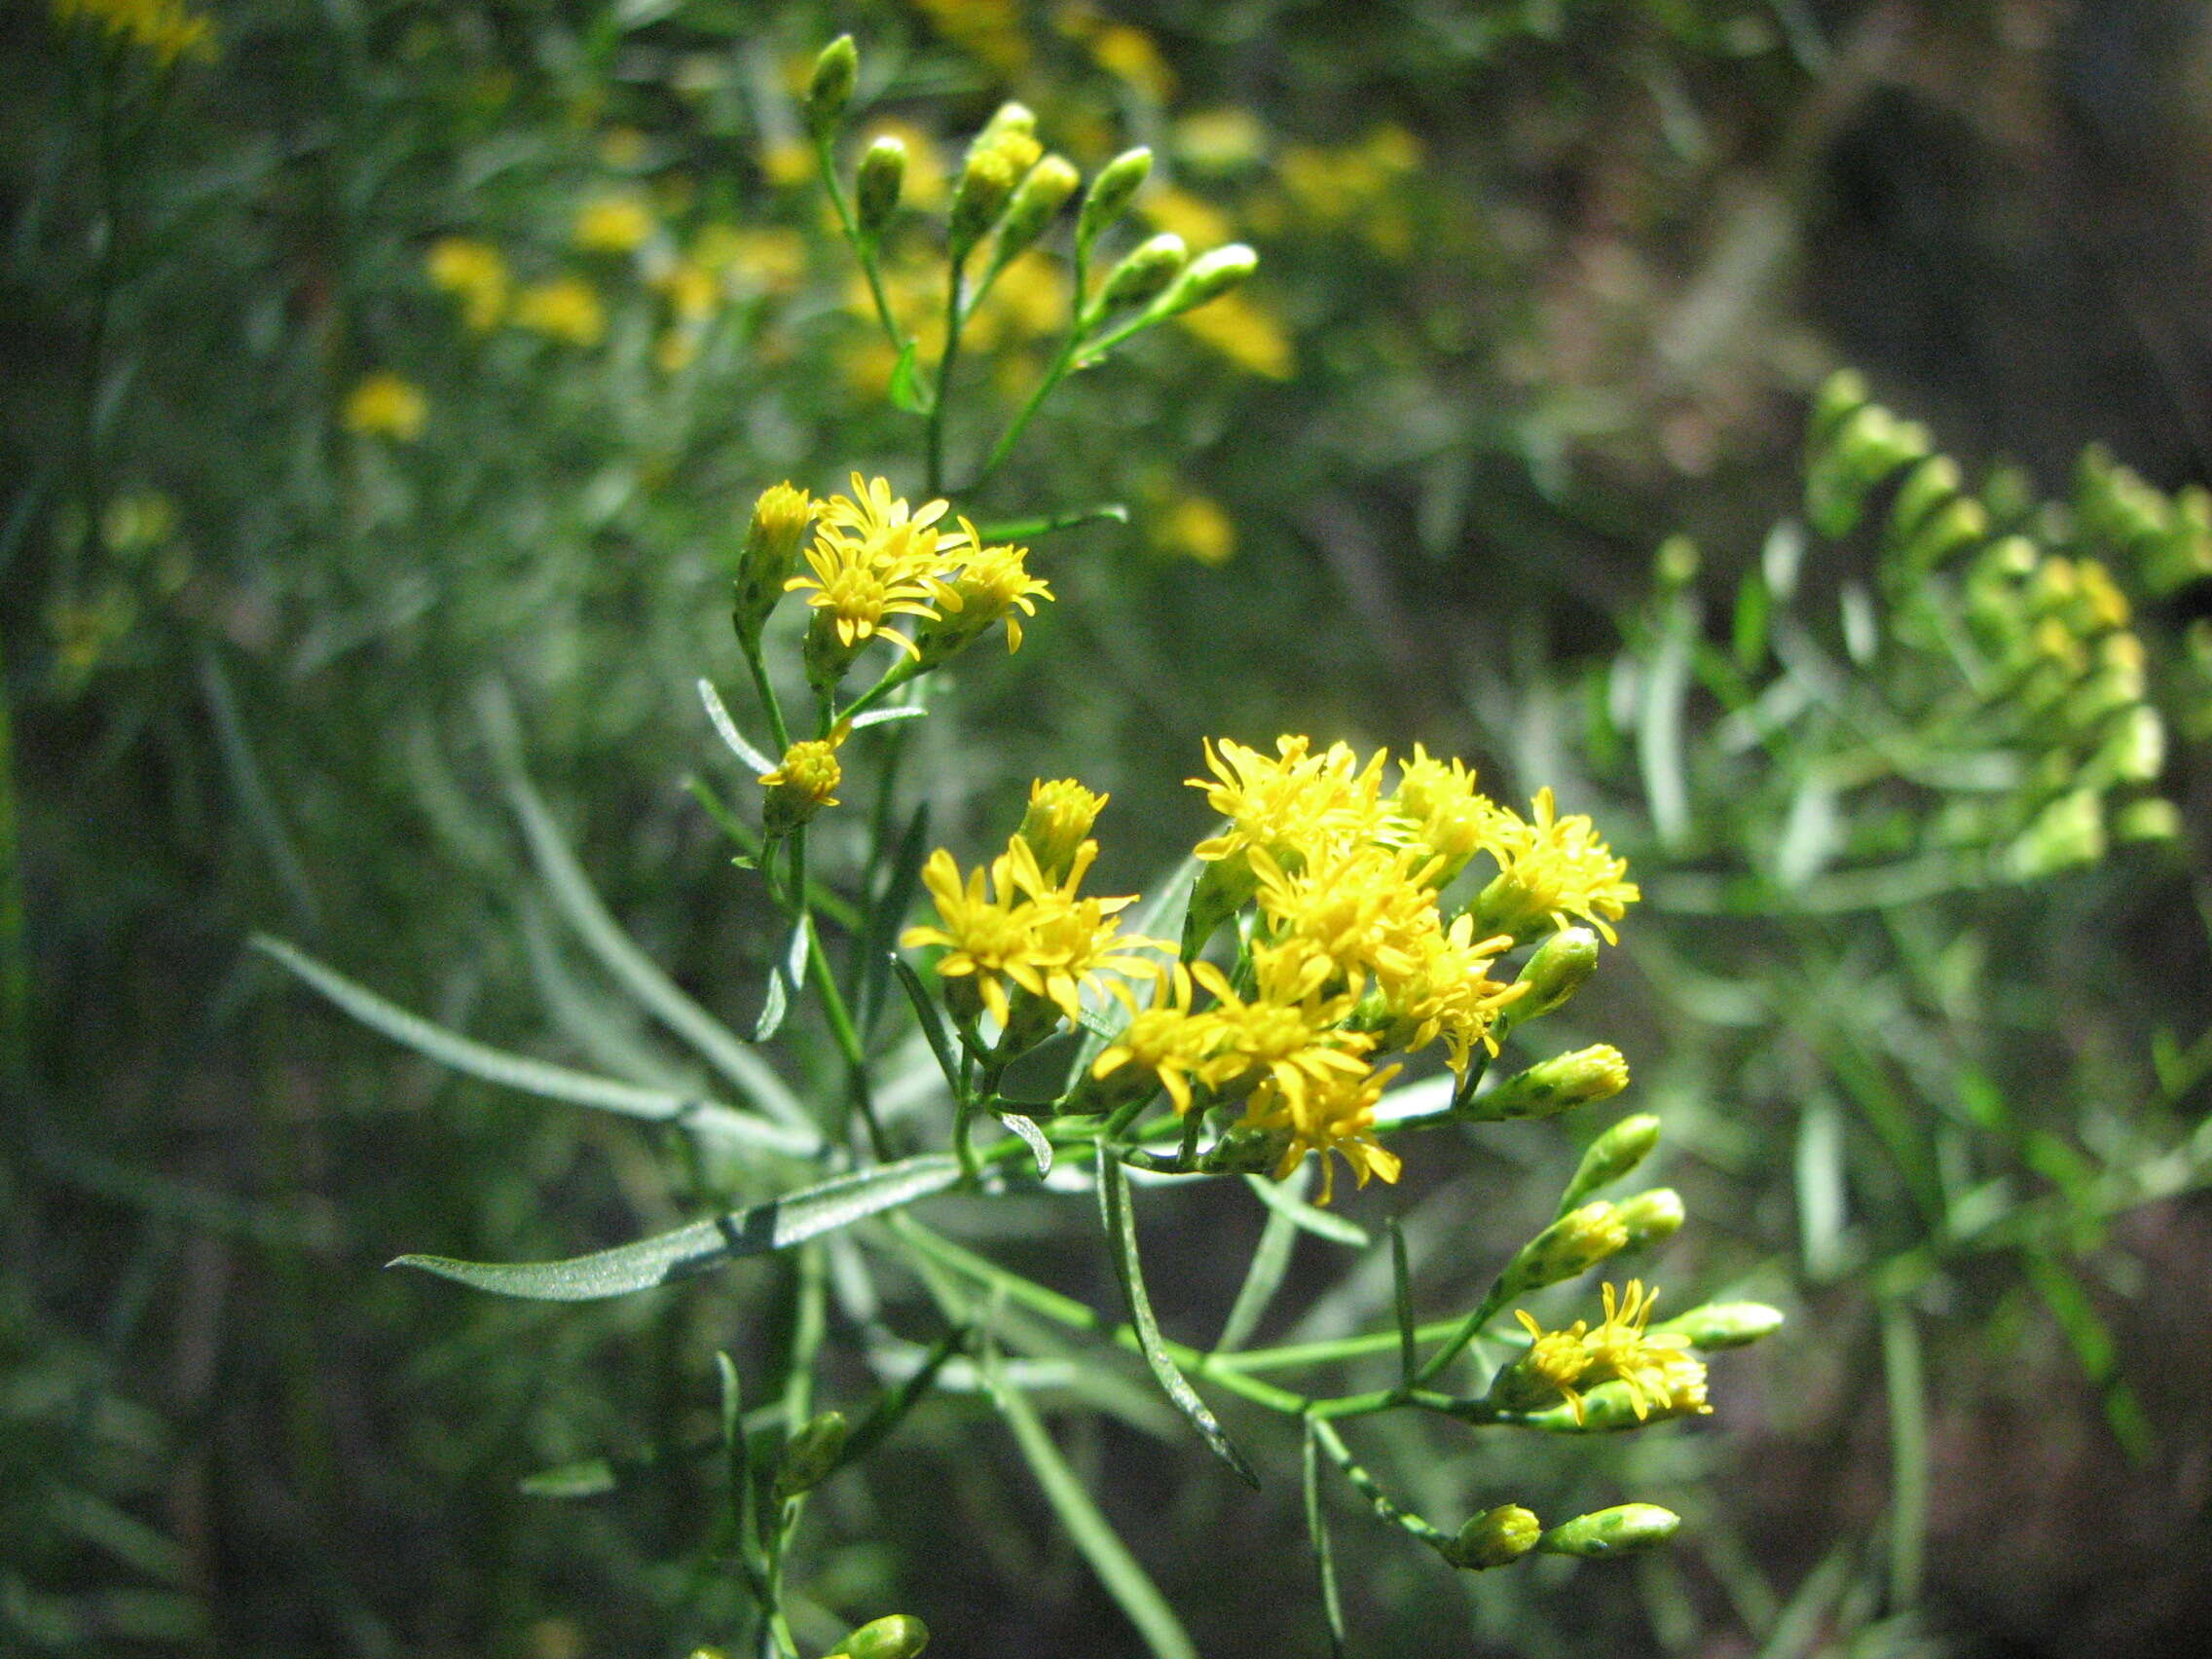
(1543, 285)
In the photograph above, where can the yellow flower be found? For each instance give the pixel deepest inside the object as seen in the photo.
(803, 782)
(769, 259)
(1196, 525)
(1335, 1114)
(875, 558)
(1439, 808)
(1247, 333)
(1656, 1372)
(1059, 821)
(1220, 140)
(1449, 993)
(1166, 1039)
(1557, 1361)
(476, 272)
(1291, 806)
(167, 30)
(614, 224)
(1552, 868)
(1364, 908)
(566, 309)
(988, 584)
(691, 290)
(1129, 56)
(381, 405)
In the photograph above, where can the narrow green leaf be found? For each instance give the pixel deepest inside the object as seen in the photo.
(534, 1077)
(776, 1224)
(1308, 1219)
(887, 909)
(1124, 1578)
(1659, 721)
(1032, 1137)
(907, 390)
(1271, 1258)
(1401, 1282)
(718, 713)
(1906, 1386)
(1122, 1240)
(784, 983)
(925, 1012)
(877, 717)
(1324, 1557)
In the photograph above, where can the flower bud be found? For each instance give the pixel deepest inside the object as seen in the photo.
(779, 520)
(1652, 1217)
(1042, 195)
(1560, 967)
(1722, 1324)
(2069, 831)
(1619, 1530)
(1496, 1537)
(1110, 193)
(1574, 1244)
(1145, 271)
(996, 162)
(2152, 818)
(830, 87)
(1554, 1086)
(877, 184)
(803, 782)
(1057, 823)
(900, 1635)
(1611, 1156)
(1207, 277)
(810, 1454)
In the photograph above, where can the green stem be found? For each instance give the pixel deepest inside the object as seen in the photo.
(898, 673)
(1468, 1329)
(1047, 524)
(768, 699)
(1055, 371)
(1338, 1453)
(864, 247)
(847, 1036)
(954, 318)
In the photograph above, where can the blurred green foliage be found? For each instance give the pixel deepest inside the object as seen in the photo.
(1543, 283)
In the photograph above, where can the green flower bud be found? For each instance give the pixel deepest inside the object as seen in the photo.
(1207, 277)
(1840, 393)
(1554, 1086)
(1057, 822)
(810, 1454)
(2152, 819)
(1110, 193)
(1560, 967)
(1009, 120)
(830, 89)
(1722, 1324)
(2067, 832)
(2135, 753)
(1610, 1157)
(878, 183)
(1145, 271)
(1621, 1530)
(779, 521)
(997, 162)
(1652, 1217)
(1042, 195)
(1676, 563)
(1496, 1537)
(1574, 1244)
(900, 1635)
(1932, 483)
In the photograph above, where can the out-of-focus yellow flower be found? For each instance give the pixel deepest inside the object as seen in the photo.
(622, 147)
(166, 29)
(381, 405)
(769, 259)
(1194, 219)
(614, 224)
(1029, 301)
(1129, 56)
(675, 350)
(1198, 527)
(476, 272)
(1220, 140)
(691, 290)
(566, 309)
(787, 161)
(1246, 332)
(990, 30)
(133, 523)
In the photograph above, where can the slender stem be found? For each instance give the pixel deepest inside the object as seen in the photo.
(864, 247)
(1469, 1328)
(898, 673)
(954, 318)
(1046, 524)
(847, 1037)
(1055, 372)
(1338, 1453)
(768, 699)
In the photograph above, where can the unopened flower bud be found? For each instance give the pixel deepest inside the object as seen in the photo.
(1110, 193)
(996, 162)
(1207, 277)
(1010, 120)
(803, 782)
(1620, 1530)
(1145, 271)
(1496, 1537)
(900, 1635)
(1611, 1156)
(2152, 818)
(878, 183)
(779, 520)
(1574, 1244)
(1722, 1324)
(1059, 821)
(2069, 831)
(1560, 967)
(810, 1454)
(1652, 1217)
(830, 88)
(1557, 1085)
(1042, 195)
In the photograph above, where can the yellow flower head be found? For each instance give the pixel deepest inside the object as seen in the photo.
(1655, 1371)
(988, 584)
(614, 224)
(1557, 1361)
(1059, 821)
(381, 405)
(1367, 910)
(1334, 1113)
(475, 272)
(1552, 868)
(1449, 993)
(1439, 808)
(1292, 805)
(803, 782)
(1166, 1039)
(566, 309)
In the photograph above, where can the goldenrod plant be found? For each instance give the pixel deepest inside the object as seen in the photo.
(1262, 1007)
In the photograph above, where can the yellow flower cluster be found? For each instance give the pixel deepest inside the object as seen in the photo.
(1653, 1372)
(167, 30)
(381, 405)
(875, 558)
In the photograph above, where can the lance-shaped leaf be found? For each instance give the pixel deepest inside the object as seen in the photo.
(1122, 1240)
(717, 711)
(776, 1224)
(1324, 1557)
